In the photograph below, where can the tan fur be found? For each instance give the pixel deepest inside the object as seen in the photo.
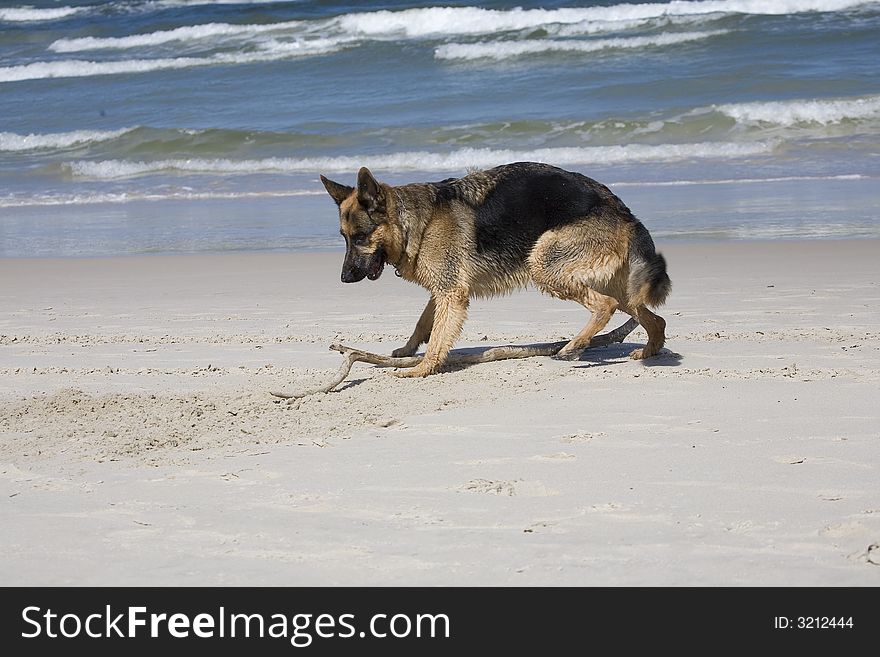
(656, 328)
(602, 308)
(603, 269)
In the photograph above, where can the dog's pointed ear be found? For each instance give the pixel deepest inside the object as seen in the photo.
(338, 192)
(370, 192)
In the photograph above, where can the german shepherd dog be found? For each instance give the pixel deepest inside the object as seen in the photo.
(492, 231)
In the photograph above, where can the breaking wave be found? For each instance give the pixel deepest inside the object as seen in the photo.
(508, 49)
(459, 160)
(792, 112)
(71, 68)
(12, 142)
(34, 14)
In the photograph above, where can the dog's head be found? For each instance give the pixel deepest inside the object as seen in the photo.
(363, 222)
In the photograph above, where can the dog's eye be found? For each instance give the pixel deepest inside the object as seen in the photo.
(359, 239)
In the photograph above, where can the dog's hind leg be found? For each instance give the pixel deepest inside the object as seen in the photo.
(656, 328)
(602, 308)
(420, 334)
(573, 263)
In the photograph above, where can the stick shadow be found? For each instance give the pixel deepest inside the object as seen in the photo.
(351, 384)
(617, 354)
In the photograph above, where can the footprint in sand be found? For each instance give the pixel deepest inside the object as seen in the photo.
(516, 487)
(870, 556)
(490, 486)
(557, 456)
(844, 529)
(581, 437)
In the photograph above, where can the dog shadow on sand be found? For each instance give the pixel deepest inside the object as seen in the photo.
(618, 354)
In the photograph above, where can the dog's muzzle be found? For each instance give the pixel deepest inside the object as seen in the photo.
(359, 270)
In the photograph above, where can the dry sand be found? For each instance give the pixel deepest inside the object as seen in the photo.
(139, 445)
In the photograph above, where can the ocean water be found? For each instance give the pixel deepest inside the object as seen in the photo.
(177, 126)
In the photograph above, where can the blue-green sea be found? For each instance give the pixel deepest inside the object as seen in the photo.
(180, 126)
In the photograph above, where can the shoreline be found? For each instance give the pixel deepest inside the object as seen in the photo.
(139, 444)
(792, 210)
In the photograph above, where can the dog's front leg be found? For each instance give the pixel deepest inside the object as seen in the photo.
(421, 333)
(450, 311)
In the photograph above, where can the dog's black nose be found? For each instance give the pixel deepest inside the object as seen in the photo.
(349, 276)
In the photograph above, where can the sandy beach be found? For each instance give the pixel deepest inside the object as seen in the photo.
(139, 444)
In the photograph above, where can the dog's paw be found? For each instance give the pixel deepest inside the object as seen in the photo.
(403, 352)
(567, 355)
(412, 373)
(643, 353)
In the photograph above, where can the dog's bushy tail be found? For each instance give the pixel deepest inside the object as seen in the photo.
(648, 283)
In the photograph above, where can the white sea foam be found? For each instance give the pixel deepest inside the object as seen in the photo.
(98, 198)
(741, 181)
(28, 14)
(584, 28)
(507, 49)
(807, 230)
(12, 142)
(452, 21)
(792, 112)
(14, 201)
(328, 35)
(433, 21)
(197, 3)
(350, 25)
(422, 160)
(70, 68)
(186, 33)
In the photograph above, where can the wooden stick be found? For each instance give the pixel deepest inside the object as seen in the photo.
(506, 352)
